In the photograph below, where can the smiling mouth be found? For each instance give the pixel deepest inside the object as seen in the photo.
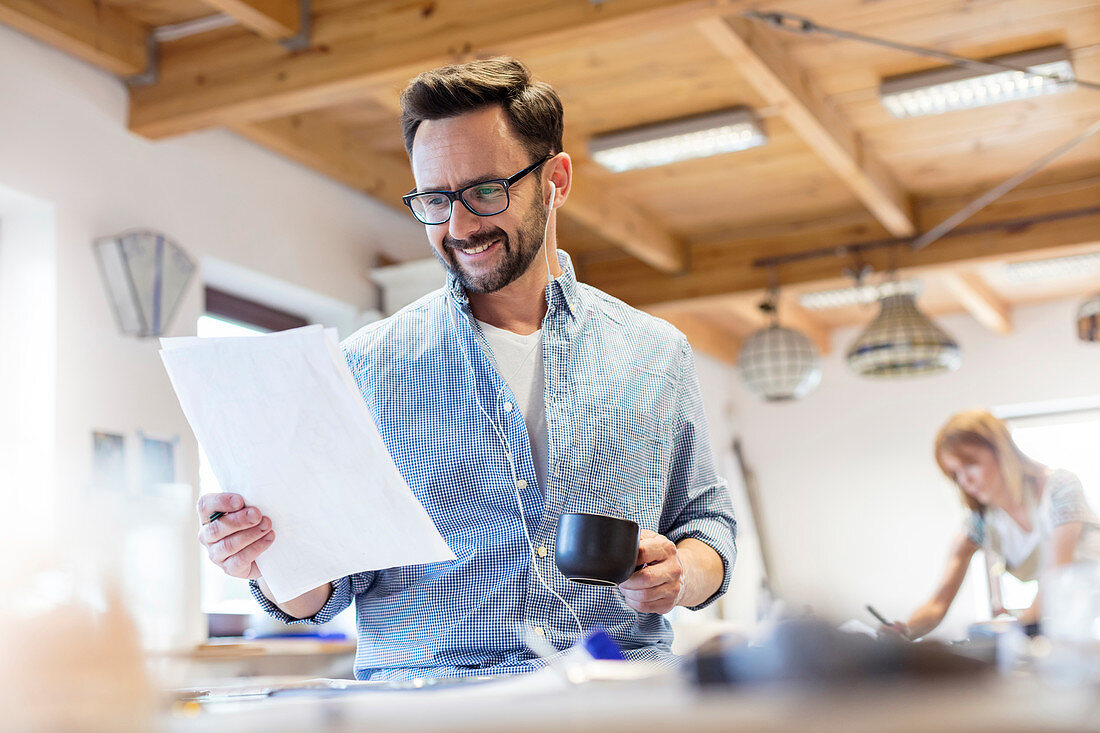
(477, 250)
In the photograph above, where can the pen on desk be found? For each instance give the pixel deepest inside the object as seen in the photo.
(879, 616)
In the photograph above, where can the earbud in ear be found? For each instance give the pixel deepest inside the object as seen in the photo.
(553, 195)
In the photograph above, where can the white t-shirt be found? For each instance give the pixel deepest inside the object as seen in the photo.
(518, 360)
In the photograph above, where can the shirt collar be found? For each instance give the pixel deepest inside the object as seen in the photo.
(560, 293)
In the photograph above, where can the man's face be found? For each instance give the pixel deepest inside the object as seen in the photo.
(486, 253)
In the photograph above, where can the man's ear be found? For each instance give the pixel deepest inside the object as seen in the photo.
(561, 177)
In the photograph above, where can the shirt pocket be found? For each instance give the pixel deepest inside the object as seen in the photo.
(621, 462)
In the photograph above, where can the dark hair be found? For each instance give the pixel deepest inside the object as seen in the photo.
(533, 109)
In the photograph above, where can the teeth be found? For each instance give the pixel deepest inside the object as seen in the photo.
(475, 250)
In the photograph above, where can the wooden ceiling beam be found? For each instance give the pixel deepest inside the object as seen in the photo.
(1054, 223)
(743, 310)
(759, 56)
(359, 48)
(332, 150)
(94, 32)
(979, 300)
(272, 19)
(616, 221)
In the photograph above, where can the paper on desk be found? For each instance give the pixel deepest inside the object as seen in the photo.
(284, 425)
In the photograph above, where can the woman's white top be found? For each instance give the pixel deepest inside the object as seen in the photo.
(1061, 500)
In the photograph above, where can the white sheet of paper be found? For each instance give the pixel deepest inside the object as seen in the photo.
(283, 424)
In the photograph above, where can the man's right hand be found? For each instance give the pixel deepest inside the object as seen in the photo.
(234, 540)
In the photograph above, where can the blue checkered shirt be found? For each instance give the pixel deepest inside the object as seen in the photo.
(627, 437)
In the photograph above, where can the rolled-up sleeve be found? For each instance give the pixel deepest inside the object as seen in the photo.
(343, 593)
(698, 503)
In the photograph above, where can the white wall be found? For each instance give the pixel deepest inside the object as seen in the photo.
(853, 501)
(28, 361)
(63, 142)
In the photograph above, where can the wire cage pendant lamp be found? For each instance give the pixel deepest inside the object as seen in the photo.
(902, 342)
(778, 363)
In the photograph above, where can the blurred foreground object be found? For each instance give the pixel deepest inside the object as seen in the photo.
(1071, 624)
(811, 652)
(70, 663)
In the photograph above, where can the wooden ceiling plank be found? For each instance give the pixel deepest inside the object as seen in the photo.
(759, 56)
(979, 300)
(1053, 223)
(93, 32)
(272, 19)
(403, 39)
(328, 148)
(631, 230)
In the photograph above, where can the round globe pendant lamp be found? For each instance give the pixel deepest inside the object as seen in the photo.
(902, 342)
(777, 363)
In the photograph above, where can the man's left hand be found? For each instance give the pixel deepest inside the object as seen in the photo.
(659, 585)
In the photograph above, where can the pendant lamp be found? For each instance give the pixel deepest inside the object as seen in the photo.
(778, 363)
(1088, 320)
(901, 342)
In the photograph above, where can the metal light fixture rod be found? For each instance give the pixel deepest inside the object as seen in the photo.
(804, 26)
(1000, 190)
(845, 250)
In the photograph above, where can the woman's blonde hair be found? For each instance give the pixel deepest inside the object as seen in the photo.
(978, 428)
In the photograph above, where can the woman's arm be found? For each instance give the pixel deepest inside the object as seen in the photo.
(931, 613)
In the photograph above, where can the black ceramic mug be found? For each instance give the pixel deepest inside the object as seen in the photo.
(596, 549)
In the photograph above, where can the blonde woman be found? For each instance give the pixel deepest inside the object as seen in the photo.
(1029, 515)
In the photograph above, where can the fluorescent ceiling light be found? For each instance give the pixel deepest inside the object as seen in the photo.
(205, 24)
(954, 87)
(820, 300)
(1053, 268)
(683, 139)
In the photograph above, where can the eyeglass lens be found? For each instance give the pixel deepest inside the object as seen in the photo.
(485, 199)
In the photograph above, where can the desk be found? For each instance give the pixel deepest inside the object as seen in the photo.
(229, 658)
(992, 704)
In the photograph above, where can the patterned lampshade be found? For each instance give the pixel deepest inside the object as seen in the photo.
(779, 364)
(1088, 320)
(901, 342)
(145, 274)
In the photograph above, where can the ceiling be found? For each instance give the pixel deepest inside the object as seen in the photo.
(681, 240)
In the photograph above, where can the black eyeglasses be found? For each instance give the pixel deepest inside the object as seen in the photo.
(484, 198)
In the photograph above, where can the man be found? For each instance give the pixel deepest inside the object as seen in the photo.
(511, 396)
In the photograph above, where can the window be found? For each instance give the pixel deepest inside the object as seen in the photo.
(220, 593)
(1062, 438)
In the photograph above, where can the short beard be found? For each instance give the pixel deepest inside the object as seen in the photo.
(514, 260)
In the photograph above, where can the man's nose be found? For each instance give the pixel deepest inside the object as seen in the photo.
(463, 223)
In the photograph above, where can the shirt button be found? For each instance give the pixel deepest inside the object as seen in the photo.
(542, 551)
(521, 484)
(507, 406)
(539, 631)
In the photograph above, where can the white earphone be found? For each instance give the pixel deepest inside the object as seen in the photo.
(503, 438)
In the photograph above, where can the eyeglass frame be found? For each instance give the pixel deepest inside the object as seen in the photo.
(457, 195)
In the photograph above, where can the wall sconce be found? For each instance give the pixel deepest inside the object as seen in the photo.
(145, 274)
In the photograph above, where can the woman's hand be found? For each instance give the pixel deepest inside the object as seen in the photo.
(898, 628)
